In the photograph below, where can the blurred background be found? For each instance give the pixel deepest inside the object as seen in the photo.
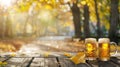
(31, 19)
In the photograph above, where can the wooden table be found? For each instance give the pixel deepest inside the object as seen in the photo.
(56, 62)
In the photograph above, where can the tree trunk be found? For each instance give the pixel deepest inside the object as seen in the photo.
(76, 19)
(8, 28)
(98, 20)
(114, 20)
(2, 21)
(86, 21)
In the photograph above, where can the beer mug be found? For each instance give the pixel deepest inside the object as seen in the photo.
(91, 48)
(104, 49)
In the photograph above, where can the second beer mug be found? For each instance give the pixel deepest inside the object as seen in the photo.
(91, 48)
(104, 48)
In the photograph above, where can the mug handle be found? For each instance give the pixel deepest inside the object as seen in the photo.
(116, 50)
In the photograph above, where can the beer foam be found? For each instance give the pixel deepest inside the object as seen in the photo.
(90, 40)
(104, 40)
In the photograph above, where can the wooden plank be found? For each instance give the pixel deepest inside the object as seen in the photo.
(2, 58)
(115, 60)
(44, 62)
(118, 57)
(107, 64)
(5, 58)
(64, 62)
(67, 63)
(92, 63)
(83, 65)
(37, 62)
(30, 62)
(51, 62)
(18, 62)
(58, 62)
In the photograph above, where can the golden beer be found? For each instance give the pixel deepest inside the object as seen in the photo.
(91, 48)
(104, 49)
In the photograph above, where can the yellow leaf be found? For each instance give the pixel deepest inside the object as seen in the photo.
(83, 2)
(48, 7)
(67, 54)
(13, 54)
(78, 58)
(4, 63)
(46, 54)
(0, 62)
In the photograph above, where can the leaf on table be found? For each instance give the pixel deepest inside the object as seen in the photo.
(78, 58)
(13, 54)
(2, 64)
(67, 54)
(46, 54)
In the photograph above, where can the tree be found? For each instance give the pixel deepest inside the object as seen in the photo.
(2, 21)
(8, 28)
(98, 20)
(76, 18)
(86, 21)
(114, 20)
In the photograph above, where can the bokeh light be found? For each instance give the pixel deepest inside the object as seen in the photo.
(6, 3)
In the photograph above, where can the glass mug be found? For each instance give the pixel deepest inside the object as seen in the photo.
(104, 49)
(91, 48)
